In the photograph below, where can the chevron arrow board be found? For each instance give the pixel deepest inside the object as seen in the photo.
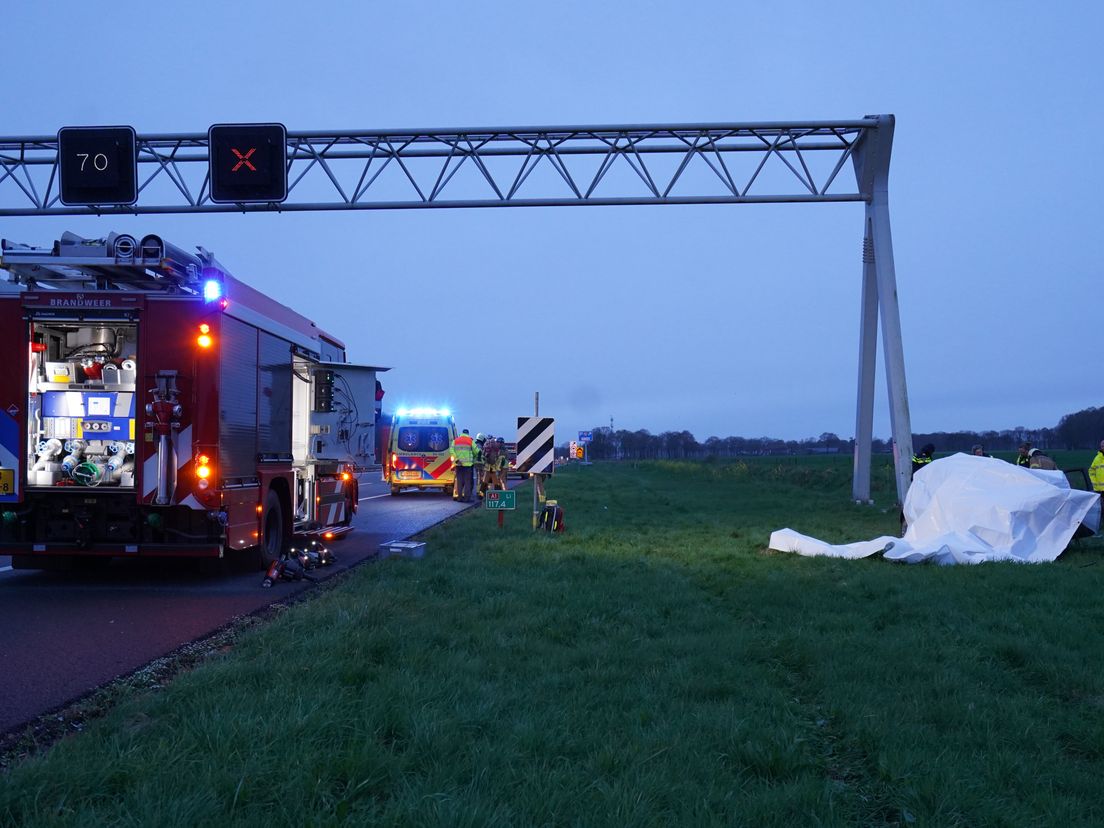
(536, 437)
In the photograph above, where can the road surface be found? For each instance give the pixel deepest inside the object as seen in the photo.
(65, 634)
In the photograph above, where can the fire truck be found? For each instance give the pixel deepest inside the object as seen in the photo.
(163, 408)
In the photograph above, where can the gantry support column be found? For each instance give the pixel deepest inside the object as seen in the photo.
(872, 171)
(868, 357)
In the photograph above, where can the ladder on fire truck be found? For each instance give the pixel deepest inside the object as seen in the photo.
(118, 262)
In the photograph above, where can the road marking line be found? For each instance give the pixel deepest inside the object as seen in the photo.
(5, 569)
(373, 497)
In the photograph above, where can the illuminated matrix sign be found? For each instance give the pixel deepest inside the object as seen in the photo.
(248, 163)
(97, 165)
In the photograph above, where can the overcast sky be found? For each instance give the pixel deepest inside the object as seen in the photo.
(724, 320)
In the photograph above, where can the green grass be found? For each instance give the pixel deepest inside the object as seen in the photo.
(656, 665)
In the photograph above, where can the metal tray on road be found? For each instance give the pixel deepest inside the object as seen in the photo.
(402, 549)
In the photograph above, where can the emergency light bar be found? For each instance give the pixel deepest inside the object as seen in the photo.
(424, 412)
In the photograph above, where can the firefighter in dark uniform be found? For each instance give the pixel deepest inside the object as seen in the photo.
(923, 457)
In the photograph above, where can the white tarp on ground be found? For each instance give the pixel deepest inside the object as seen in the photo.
(967, 509)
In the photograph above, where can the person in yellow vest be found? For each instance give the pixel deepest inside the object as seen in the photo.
(1096, 470)
(477, 468)
(1023, 458)
(463, 458)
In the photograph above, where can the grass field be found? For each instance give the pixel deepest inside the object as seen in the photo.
(653, 666)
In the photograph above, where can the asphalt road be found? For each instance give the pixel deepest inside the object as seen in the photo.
(65, 634)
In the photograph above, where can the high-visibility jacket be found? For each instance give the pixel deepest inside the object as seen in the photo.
(1041, 461)
(1096, 472)
(919, 461)
(1023, 460)
(463, 451)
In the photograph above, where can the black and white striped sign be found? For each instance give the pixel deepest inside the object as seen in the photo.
(535, 444)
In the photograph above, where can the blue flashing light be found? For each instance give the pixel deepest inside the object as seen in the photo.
(422, 411)
(212, 290)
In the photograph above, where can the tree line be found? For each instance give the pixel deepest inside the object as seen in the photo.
(1080, 430)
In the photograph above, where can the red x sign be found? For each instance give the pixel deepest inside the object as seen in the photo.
(253, 173)
(243, 159)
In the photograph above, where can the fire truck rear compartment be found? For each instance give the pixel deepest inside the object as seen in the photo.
(106, 521)
(81, 405)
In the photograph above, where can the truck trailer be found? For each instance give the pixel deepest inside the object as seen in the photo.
(161, 407)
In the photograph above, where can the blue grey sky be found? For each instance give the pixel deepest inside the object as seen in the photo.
(722, 320)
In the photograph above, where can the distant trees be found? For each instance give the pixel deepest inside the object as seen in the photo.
(1007, 440)
(1082, 429)
(676, 445)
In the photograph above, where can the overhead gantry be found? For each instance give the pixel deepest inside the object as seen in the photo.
(552, 166)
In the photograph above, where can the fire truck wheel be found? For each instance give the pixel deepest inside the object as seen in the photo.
(350, 507)
(272, 541)
(395, 490)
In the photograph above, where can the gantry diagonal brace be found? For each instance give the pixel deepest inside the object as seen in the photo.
(549, 166)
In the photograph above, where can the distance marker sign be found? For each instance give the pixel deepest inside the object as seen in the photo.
(495, 499)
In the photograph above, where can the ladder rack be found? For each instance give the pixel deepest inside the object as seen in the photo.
(118, 262)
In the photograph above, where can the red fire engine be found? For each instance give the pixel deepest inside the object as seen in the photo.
(162, 407)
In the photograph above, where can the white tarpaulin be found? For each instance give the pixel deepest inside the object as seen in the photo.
(967, 509)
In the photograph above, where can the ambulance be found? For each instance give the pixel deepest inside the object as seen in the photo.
(419, 450)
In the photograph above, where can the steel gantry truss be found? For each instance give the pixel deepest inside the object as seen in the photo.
(732, 163)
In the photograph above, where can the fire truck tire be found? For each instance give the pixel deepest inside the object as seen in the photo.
(272, 537)
(395, 490)
(350, 507)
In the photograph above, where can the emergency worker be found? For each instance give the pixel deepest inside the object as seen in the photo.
(1024, 456)
(477, 465)
(502, 464)
(1096, 470)
(923, 457)
(463, 457)
(1037, 460)
(494, 463)
(979, 451)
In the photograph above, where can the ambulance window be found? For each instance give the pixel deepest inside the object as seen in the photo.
(437, 439)
(423, 438)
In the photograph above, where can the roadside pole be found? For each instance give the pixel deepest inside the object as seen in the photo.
(532, 479)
